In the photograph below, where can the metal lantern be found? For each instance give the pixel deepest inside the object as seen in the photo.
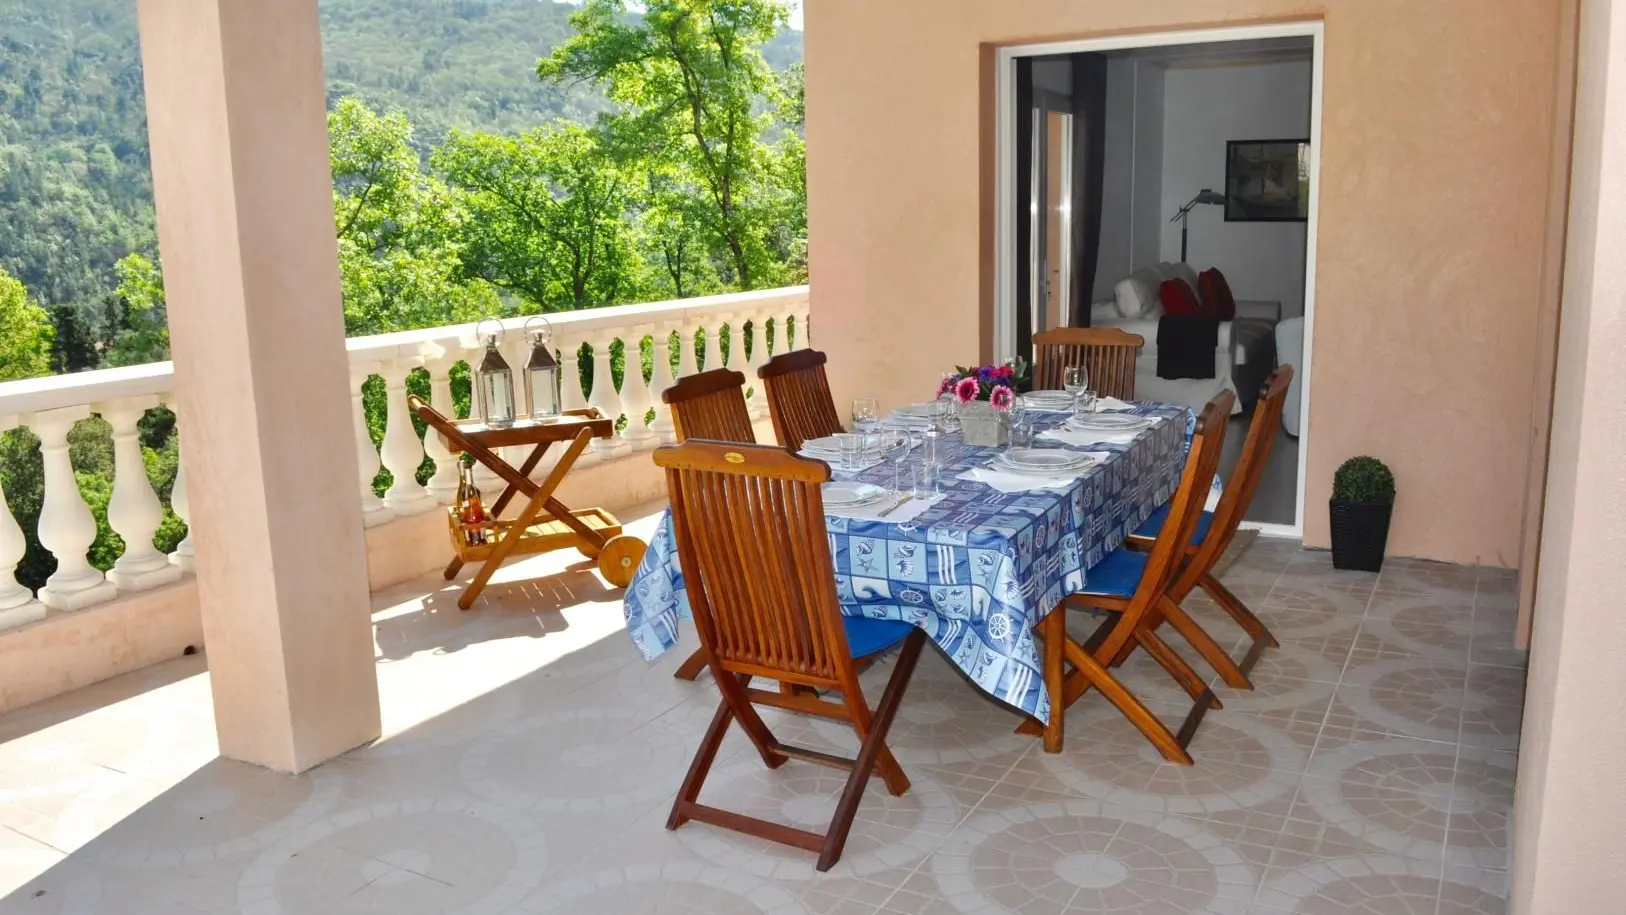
(494, 380)
(542, 400)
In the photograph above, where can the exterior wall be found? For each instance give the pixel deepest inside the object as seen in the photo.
(1433, 220)
(1571, 794)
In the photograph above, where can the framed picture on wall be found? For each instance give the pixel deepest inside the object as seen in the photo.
(1267, 180)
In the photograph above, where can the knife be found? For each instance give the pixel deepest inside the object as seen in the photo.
(895, 505)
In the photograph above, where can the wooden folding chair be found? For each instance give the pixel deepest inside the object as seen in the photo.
(799, 398)
(544, 523)
(1213, 534)
(710, 405)
(749, 526)
(1132, 586)
(1107, 352)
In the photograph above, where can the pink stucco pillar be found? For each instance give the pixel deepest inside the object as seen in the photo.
(236, 114)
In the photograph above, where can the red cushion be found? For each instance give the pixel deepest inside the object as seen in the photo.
(1178, 299)
(1216, 294)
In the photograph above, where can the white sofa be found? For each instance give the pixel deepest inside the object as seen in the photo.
(1245, 347)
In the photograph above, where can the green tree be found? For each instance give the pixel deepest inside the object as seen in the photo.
(141, 334)
(689, 78)
(548, 215)
(73, 348)
(399, 229)
(25, 332)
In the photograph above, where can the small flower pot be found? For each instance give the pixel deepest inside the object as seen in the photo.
(984, 426)
(1360, 534)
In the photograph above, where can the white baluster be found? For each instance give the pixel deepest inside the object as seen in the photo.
(442, 487)
(635, 390)
(184, 557)
(134, 511)
(571, 388)
(402, 451)
(756, 360)
(607, 399)
(662, 380)
(373, 509)
(17, 604)
(714, 347)
(67, 528)
(804, 340)
(686, 361)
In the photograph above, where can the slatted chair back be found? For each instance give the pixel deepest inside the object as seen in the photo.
(750, 532)
(1107, 352)
(710, 405)
(1250, 468)
(798, 391)
(1186, 507)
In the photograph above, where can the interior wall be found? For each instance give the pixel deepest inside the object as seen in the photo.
(1204, 107)
(1433, 211)
(1132, 172)
(1146, 237)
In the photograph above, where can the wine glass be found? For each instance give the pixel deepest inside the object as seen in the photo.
(898, 446)
(866, 411)
(1021, 432)
(1075, 380)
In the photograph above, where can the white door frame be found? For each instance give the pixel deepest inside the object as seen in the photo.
(1005, 178)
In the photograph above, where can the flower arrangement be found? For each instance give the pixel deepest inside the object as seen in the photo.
(996, 383)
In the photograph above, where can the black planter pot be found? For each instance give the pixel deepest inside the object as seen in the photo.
(1360, 532)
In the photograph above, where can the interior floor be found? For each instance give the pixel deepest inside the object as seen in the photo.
(1275, 500)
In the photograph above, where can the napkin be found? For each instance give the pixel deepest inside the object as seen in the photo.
(1008, 482)
(1083, 439)
(1112, 405)
(907, 511)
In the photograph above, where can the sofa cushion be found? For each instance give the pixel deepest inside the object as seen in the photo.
(1136, 295)
(1178, 299)
(1184, 271)
(1217, 301)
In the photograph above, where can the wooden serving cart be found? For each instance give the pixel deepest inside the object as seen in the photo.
(544, 524)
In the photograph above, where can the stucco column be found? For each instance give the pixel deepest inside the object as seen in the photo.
(1571, 798)
(236, 115)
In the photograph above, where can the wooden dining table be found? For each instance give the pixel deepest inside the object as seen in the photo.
(977, 569)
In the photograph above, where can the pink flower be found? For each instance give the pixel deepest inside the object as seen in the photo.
(966, 390)
(945, 386)
(1002, 398)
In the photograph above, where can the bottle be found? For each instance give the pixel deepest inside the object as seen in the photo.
(462, 502)
(476, 517)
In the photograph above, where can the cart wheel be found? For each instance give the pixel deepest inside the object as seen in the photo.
(619, 559)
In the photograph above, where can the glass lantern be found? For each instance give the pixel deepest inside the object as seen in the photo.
(494, 380)
(542, 400)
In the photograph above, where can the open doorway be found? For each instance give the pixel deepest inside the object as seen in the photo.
(1132, 163)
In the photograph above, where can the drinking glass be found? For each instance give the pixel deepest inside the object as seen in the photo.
(1021, 429)
(1075, 380)
(866, 411)
(852, 448)
(925, 474)
(897, 451)
(1087, 401)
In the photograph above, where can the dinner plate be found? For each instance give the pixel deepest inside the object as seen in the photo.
(1027, 470)
(1049, 400)
(1108, 422)
(851, 495)
(1053, 459)
(830, 445)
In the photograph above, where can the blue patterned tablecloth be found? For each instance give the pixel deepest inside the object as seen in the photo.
(977, 570)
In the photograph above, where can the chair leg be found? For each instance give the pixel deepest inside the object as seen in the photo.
(1094, 674)
(871, 753)
(701, 767)
(1239, 611)
(452, 568)
(1205, 644)
(691, 668)
(1177, 668)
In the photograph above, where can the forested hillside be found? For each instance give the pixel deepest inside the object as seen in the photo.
(75, 192)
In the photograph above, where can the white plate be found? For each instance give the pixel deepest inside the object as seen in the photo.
(1053, 459)
(1108, 422)
(1059, 400)
(916, 411)
(830, 445)
(1000, 464)
(850, 495)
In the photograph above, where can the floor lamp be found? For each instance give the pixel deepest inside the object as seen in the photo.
(1205, 196)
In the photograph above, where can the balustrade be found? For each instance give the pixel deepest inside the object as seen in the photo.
(51, 407)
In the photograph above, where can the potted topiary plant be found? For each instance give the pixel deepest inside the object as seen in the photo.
(1363, 499)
